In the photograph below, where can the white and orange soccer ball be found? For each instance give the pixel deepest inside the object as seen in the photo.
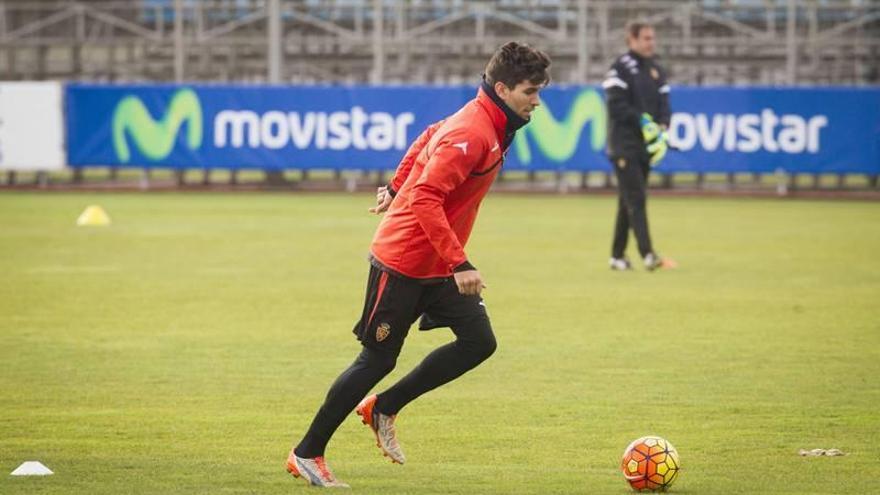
(650, 463)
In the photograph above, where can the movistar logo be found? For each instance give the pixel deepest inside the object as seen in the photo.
(558, 140)
(155, 139)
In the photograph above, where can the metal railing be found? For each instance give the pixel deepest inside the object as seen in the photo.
(432, 41)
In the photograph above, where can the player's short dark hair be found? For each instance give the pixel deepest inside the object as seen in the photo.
(515, 62)
(634, 28)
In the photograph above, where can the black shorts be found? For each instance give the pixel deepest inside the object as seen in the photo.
(393, 303)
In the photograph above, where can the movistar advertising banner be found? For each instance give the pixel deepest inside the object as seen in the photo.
(813, 130)
(360, 127)
(249, 126)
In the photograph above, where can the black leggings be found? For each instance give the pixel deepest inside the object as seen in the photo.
(474, 343)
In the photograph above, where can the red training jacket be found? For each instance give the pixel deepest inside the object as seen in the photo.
(438, 187)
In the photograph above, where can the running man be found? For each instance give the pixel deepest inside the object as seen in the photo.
(418, 265)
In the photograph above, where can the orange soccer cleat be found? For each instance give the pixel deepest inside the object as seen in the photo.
(314, 471)
(383, 427)
(654, 261)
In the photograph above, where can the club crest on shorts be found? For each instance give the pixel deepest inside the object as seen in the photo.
(382, 332)
(621, 162)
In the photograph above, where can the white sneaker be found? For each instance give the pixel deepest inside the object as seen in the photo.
(620, 264)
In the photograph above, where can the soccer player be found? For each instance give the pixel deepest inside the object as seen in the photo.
(637, 96)
(418, 264)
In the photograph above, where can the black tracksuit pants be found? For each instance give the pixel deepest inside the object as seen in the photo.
(391, 306)
(632, 183)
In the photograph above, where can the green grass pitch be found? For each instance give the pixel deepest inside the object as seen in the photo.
(185, 347)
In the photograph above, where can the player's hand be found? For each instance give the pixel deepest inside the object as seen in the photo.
(383, 200)
(469, 282)
(655, 137)
(650, 129)
(657, 149)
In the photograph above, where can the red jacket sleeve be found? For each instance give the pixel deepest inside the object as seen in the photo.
(406, 163)
(450, 163)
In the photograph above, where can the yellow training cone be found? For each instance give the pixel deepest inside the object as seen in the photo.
(93, 216)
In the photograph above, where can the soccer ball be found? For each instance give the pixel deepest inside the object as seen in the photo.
(650, 463)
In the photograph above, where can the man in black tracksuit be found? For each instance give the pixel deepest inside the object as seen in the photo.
(637, 96)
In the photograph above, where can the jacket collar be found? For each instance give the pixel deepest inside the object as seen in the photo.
(505, 120)
(640, 59)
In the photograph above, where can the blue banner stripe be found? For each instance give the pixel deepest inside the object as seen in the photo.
(718, 129)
